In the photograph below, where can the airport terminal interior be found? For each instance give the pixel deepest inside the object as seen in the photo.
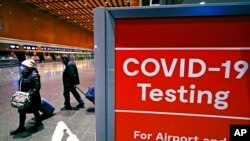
(46, 30)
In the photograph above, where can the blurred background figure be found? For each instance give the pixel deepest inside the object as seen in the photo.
(60, 130)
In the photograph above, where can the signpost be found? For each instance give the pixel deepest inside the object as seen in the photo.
(173, 73)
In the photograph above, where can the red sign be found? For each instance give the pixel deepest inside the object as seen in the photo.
(181, 79)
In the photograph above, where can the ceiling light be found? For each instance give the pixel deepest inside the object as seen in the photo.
(75, 21)
(66, 5)
(47, 6)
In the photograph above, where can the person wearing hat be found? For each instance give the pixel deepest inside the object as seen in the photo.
(70, 80)
(29, 82)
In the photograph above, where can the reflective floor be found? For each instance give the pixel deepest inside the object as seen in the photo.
(81, 122)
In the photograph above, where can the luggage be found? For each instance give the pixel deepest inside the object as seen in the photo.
(90, 94)
(47, 107)
(20, 100)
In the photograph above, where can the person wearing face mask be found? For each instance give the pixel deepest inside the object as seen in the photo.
(29, 82)
(70, 80)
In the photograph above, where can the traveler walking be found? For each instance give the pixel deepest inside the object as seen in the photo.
(29, 82)
(70, 80)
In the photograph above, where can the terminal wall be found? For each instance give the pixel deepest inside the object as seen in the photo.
(26, 22)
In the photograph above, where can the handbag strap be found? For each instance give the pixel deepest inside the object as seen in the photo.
(20, 85)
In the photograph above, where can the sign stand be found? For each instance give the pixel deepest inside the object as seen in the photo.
(185, 68)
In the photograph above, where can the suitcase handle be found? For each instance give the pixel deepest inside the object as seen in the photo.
(81, 90)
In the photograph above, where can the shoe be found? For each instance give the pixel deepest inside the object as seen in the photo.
(18, 130)
(66, 108)
(80, 106)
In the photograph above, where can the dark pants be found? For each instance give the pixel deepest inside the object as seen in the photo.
(22, 117)
(66, 92)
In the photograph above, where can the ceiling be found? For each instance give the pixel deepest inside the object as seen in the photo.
(79, 12)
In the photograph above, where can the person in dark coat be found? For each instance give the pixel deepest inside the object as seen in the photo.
(70, 80)
(29, 82)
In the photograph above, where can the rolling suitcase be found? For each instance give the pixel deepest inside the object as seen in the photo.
(47, 107)
(90, 94)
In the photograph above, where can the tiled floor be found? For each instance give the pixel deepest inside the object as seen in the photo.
(80, 122)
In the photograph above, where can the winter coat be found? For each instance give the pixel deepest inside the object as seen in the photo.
(31, 83)
(70, 75)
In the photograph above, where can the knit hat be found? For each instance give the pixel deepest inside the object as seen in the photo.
(30, 63)
(65, 56)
